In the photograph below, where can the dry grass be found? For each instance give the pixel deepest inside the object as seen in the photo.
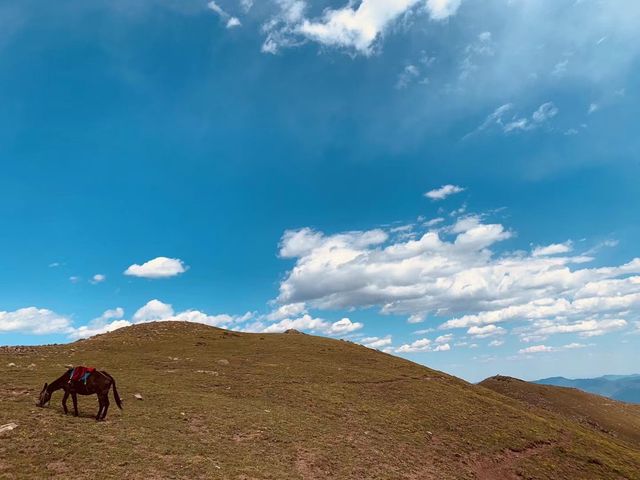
(285, 406)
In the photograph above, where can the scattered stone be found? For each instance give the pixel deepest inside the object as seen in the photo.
(33, 365)
(11, 364)
(223, 361)
(208, 372)
(138, 396)
(8, 427)
(68, 366)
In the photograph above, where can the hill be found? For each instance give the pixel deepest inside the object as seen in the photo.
(616, 419)
(625, 388)
(219, 404)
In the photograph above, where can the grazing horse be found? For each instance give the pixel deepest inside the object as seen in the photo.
(98, 383)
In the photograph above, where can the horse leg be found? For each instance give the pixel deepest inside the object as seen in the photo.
(74, 397)
(105, 403)
(64, 402)
(100, 407)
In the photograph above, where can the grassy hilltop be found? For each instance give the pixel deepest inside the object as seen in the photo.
(219, 404)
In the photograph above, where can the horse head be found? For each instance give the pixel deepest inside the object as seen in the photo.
(45, 396)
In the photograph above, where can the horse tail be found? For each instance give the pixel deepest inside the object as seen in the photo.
(115, 391)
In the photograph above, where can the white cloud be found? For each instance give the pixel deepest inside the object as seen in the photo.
(543, 114)
(422, 345)
(230, 21)
(246, 5)
(496, 343)
(486, 331)
(542, 329)
(310, 324)
(153, 310)
(553, 249)
(408, 75)
(536, 349)
(454, 274)
(442, 9)
(344, 326)
(160, 267)
(425, 345)
(376, 342)
(287, 311)
(546, 349)
(443, 192)
(355, 27)
(98, 278)
(444, 338)
(233, 22)
(32, 320)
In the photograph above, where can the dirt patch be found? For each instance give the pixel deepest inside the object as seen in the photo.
(58, 467)
(248, 436)
(504, 465)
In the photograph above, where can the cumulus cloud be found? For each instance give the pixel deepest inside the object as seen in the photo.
(310, 324)
(291, 310)
(443, 192)
(455, 274)
(546, 349)
(376, 342)
(356, 27)
(424, 345)
(160, 267)
(109, 321)
(32, 320)
(486, 331)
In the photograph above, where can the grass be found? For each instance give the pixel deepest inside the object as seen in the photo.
(218, 404)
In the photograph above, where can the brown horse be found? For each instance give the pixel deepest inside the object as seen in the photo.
(98, 383)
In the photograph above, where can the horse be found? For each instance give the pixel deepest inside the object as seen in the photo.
(98, 383)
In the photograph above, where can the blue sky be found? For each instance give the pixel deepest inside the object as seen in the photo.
(278, 164)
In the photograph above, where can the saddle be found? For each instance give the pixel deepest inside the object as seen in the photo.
(81, 374)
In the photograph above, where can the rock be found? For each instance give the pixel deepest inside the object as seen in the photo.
(208, 372)
(223, 361)
(33, 365)
(138, 396)
(8, 427)
(68, 366)
(11, 364)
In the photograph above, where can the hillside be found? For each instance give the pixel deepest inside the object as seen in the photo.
(616, 419)
(625, 388)
(218, 404)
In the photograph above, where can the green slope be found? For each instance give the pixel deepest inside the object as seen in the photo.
(255, 406)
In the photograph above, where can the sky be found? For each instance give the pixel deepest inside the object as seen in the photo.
(451, 181)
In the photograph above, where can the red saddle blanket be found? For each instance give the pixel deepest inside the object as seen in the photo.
(81, 373)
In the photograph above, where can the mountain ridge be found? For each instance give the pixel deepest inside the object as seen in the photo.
(625, 388)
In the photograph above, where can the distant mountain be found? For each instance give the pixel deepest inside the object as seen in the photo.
(625, 388)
